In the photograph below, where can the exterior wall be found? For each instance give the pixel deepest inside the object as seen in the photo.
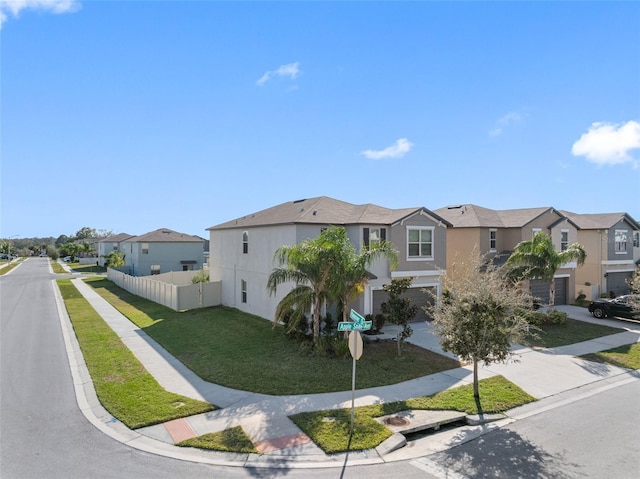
(230, 265)
(166, 254)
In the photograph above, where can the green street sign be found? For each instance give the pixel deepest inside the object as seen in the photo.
(358, 324)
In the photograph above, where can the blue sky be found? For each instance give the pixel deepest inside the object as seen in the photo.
(132, 116)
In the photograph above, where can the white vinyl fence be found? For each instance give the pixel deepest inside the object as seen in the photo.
(160, 289)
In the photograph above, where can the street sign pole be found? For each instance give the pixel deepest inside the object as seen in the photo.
(353, 379)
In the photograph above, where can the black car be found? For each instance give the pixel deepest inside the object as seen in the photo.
(620, 306)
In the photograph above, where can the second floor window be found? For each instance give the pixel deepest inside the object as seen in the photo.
(373, 236)
(636, 239)
(621, 241)
(245, 242)
(564, 240)
(492, 239)
(419, 243)
(145, 248)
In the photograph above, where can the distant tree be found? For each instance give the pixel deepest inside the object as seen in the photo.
(5, 247)
(537, 258)
(69, 249)
(85, 232)
(399, 310)
(101, 233)
(200, 277)
(86, 248)
(481, 314)
(62, 239)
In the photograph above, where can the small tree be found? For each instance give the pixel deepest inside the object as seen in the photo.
(634, 286)
(200, 277)
(399, 310)
(114, 259)
(481, 313)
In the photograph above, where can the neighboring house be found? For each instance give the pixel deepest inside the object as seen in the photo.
(242, 250)
(112, 243)
(495, 233)
(609, 241)
(161, 251)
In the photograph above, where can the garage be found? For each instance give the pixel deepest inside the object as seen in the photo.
(540, 290)
(618, 282)
(416, 295)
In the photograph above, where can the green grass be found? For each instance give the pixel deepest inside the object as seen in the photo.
(57, 267)
(230, 440)
(571, 332)
(122, 384)
(497, 394)
(627, 356)
(6, 266)
(234, 349)
(87, 268)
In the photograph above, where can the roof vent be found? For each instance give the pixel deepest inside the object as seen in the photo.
(315, 212)
(300, 201)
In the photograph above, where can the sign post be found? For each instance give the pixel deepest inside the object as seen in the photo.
(357, 324)
(355, 346)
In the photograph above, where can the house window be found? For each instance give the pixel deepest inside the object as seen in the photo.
(564, 240)
(492, 239)
(145, 248)
(621, 241)
(115, 246)
(245, 242)
(243, 290)
(373, 236)
(535, 230)
(419, 243)
(636, 239)
(155, 269)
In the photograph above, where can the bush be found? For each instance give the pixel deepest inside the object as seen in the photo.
(539, 318)
(378, 321)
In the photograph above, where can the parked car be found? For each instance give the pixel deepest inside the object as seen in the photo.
(620, 306)
(43, 255)
(66, 259)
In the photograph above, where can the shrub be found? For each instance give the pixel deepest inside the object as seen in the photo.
(557, 317)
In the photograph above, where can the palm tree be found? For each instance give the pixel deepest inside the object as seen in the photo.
(351, 274)
(309, 265)
(538, 258)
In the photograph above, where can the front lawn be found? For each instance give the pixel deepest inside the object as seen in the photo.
(627, 356)
(570, 332)
(122, 384)
(234, 349)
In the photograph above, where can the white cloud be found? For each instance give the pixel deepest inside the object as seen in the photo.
(290, 70)
(608, 143)
(503, 122)
(397, 150)
(14, 7)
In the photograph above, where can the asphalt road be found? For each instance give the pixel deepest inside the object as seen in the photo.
(43, 434)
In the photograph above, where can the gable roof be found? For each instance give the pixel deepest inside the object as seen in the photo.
(324, 210)
(116, 238)
(165, 235)
(598, 221)
(473, 216)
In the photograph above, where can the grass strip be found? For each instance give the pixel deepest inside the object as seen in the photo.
(57, 268)
(230, 440)
(627, 356)
(570, 332)
(229, 347)
(87, 268)
(125, 388)
(330, 429)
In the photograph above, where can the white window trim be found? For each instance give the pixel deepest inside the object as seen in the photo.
(615, 241)
(421, 258)
(495, 240)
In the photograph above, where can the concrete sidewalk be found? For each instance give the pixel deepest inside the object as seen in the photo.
(545, 374)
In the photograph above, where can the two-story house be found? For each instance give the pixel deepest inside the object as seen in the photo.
(109, 244)
(161, 251)
(242, 250)
(609, 241)
(496, 233)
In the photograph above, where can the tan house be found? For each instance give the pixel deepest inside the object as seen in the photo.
(495, 233)
(609, 241)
